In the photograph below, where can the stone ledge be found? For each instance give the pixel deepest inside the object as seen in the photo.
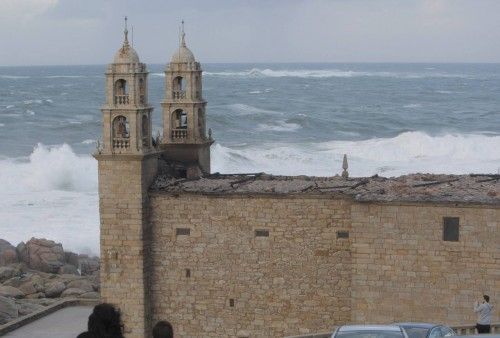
(19, 322)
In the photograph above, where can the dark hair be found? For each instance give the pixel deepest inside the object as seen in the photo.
(486, 298)
(105, 322)
(163, 329)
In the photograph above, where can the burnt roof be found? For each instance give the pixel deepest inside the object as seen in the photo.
(474, 188)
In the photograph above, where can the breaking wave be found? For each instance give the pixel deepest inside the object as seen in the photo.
(328, 73)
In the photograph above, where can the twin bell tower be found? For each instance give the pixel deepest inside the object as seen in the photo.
(127, 114)
(129, 159)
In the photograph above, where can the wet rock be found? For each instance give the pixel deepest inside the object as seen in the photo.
(8, 253)
(42, 254)
(72, 292)
(55, 289)
(8, 310)
(82, 284)
(11, 292)
(90, 295)
(69, 269)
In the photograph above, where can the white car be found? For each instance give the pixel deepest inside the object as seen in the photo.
(369, 331)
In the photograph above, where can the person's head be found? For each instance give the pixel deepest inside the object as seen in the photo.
(105, 321)
(486, 298)
(163, 329)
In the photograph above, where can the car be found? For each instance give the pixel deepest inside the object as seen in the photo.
(369, 331)
(426, 330)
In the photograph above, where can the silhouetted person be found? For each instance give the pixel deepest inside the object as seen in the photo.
(163, 329)
(483, 311)
(104, 322)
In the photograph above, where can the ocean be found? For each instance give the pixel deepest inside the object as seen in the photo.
(290, 119)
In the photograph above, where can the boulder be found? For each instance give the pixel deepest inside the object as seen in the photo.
(11, 292)
(36, 295)
(25, 308)
(8, 253)
(82, 284)
(72, 292)
(68, 269)
(87, 265)
(55, 289)
(42, 255)
(71, 258)
(32, 283)
(90, 295)
(8, 310)
(6, 272)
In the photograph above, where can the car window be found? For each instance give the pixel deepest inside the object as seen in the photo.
(370, 334)
(416, 332)
(435, 333)
(446, 331)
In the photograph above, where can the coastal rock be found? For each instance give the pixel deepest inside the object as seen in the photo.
(8, 310)
(36, 295)
(88, 265)
(82, 284)
(90, 295)
(11, 292)
(6, 272)
(33, 283)
(8, 253)
(71, 258)
(55, 289)
(72, 292)
(68, 269)
(25, 308)
(42, 254)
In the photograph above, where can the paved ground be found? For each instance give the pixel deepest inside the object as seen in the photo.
(65, 323)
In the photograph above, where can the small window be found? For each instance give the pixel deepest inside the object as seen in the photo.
(188, 273)
(451, 229)
(182, 231)
(231, 302)
(261, 233)
(342, 234)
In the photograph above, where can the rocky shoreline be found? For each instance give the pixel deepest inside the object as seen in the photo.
(38, 273)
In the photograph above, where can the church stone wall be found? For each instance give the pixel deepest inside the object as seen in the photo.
(222, 279)
(404, 271)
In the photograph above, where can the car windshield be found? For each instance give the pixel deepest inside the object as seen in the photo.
(369, 334)
(416, 332)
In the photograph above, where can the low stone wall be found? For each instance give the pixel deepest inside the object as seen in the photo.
(17, 323)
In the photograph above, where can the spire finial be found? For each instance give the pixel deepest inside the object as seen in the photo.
(125, 32)
(345, 166)
(183, 41)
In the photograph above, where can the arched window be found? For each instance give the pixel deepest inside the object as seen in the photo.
(120, 127)
(179, 124)
(145, 130)
(179, 88)
(121, 92)
(142, 92)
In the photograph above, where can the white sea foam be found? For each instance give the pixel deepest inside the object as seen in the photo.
(89, 141)
(30, 102)
(255, 92)
(51, 194)
(329, 73)
(412, 105)
(406, 153)
(30, 112)
(9, 106)
(244, 109)
(279, 126)
(13, 77)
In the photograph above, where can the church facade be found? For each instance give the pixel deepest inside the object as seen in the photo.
(269, 256)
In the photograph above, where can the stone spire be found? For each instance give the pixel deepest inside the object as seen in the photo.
(345, 166)
(125, 33)
(183, 35)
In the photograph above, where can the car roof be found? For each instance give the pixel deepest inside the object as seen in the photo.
(348, 328)
(418, 325)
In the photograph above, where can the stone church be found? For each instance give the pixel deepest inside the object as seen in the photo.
(257, 255)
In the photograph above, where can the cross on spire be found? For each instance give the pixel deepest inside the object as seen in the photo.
(183, 35)
(125, 33)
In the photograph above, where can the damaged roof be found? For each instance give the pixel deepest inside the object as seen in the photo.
(474, 188)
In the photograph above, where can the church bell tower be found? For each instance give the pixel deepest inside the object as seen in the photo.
(127, 165)
(185, 139)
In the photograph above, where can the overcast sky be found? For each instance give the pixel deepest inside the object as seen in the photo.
(42, 32)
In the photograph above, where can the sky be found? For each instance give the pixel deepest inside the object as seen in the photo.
(65, 32)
